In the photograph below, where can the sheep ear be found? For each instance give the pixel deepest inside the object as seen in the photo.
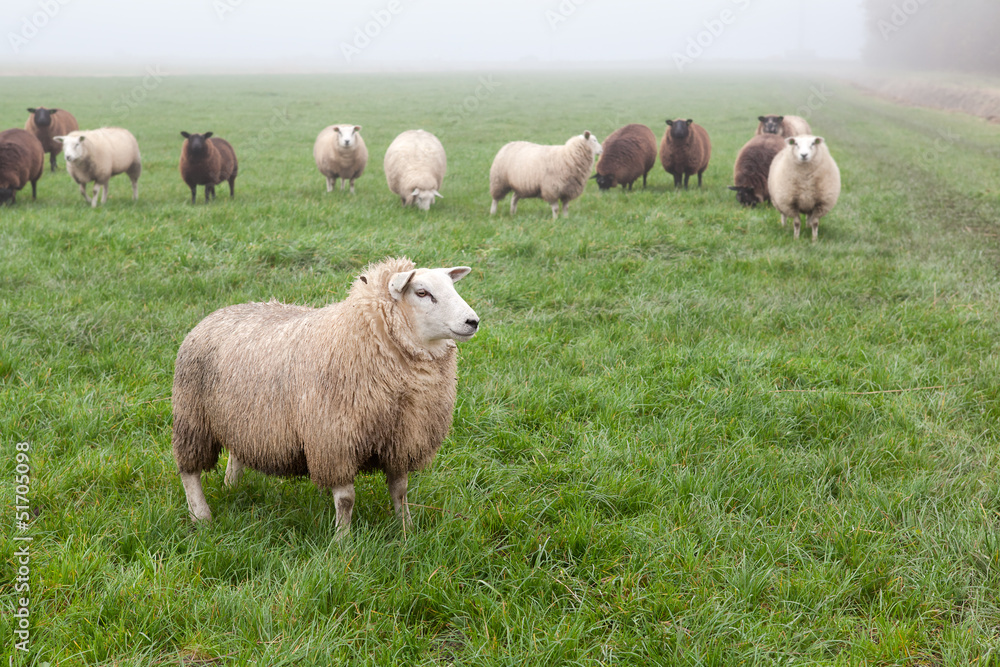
(82, 137)
(689, 121)
(357, 128)
(594, 176)
(208, 134)
(670, 122)
(438, 194)
(760, 118)
(791, 141)
(781, 118)
(32, 110)
(818, 141)
(416, 191)
(398, 283)
(59, 139)
(734, 188)
(185, 134)
(586, 134)
(458, 272)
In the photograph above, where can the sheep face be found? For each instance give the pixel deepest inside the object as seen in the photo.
(605, 181)
(74, 148)
(771, 124)
(680, 129)
(43, 116)
(433, 306)
(423, 199)
(745, 195)
(594, 143)
(805, 147)
(347, 135)
(7, 196)
(197, 143)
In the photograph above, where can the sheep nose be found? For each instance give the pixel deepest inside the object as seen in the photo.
(473, 323)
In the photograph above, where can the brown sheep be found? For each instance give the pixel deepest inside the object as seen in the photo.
(46, 124)
(208, 161)
(629, 152)
(22, 160)
(783, 126)
(752, 166)
(685, 150)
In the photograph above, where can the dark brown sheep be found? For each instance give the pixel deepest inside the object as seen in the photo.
(685, 150)
(208, 161)
(628, 153)
(783, 126)
(752, 166)
(22, 160)
(46, 124)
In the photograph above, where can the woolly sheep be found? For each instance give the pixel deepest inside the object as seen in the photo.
(628, 152)
(804, 179)
(783, 126)
(340, 152)
(685, 150)
(364, 384)
(97, 155)
(558, 174)
(414, 168)
(752, 167)
(46, 125)
(22, 161)
(207, 160)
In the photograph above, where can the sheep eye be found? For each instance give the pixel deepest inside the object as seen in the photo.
(421, 293)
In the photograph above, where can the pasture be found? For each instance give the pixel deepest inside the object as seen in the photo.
(681, 437)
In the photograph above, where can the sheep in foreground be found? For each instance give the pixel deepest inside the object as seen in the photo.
(360, 385)
(414, 168)
(46, 125)
(685, 150)
(628, 153)
(804, 180)
(558, 174)
(783, 126)
(97, 155)
(752, 167)
(340, 152)
(207, 160)
(22, 161)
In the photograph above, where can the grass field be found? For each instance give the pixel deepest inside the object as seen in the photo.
(681, 436)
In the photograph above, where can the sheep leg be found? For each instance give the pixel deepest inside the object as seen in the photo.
(194, 194)
(343, 500)
(493, 207)
(232, 188)
(52, 161)
(565, 209)
(699, 179)
(104, 193)
(796, 224)
(687, 177)
(555, 209)
(234, 471)
(330, 183)
(814, 223)
(644, 181)
(513, 203)
(97, 194)
(197, 505)
(34, 189)
(343, 182)
(352, 186)
(397, 491)
(83, 191)
(677, 180)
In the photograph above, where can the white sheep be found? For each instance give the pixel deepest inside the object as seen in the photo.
(414, 164)
(97, 155)
(558, 174)
(804, 180)
(364, 384)
(340, 152)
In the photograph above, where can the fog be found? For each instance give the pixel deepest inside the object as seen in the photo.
(99, 36)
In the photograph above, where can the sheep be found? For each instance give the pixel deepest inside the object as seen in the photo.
(685, 150)
(97, 155)
(46, 125)
(414, 168)
(22, 160)
(752, 166)
(558, 174)
(340, 152)
(804, 179)
(627, 153)
(783, 126)
(207, 160)
(364, 384)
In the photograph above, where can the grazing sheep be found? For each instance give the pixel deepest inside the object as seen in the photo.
(804, 179)
(628, 152)
(208, 161)
(414, 168)
(752, 167)
(46, 125)
(685, 150)
(22, 160)
(558, 174)
(360, 385)
(340, 152)
(783, 126)
(97, 155)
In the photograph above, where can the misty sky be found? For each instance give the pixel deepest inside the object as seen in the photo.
(324, 35)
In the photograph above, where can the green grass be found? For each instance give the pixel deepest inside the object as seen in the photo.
(681, 436)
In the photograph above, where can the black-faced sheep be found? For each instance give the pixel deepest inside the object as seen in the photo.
(340, 152)
(558, 174)
(414, 164)
(207, 160)
(628, 153)
(360, 385)
(22, 161)
(685, 150)
(752, 167)
(46, 125)
(97, 155)
(804, 180)
(783, 126)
